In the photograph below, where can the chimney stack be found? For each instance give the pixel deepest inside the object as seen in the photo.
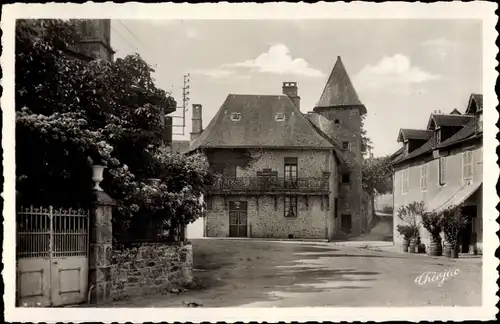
(290, 89)
(167, 131)
(196, 120)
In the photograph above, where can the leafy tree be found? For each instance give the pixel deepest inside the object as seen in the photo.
(376, 175)
(432, 222)
(71, 114)
(366, 142)
(411, 214)
(452, 222)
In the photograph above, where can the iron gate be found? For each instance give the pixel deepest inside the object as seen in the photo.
(52, 256)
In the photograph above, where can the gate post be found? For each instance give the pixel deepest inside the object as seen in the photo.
(100, 252)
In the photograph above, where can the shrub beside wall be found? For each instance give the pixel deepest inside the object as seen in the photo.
(150, 268)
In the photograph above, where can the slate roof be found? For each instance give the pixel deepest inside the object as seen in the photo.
(468, 131)
(476, 99)
(258, 127)
(441, 120)
(417, 134)
(339, 90)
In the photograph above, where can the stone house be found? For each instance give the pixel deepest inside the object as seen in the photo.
(442, 165)
(282, 173)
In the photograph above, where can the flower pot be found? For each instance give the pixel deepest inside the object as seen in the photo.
(453, 253)
(97, 177)
(421, 248)
(404, 246)
(447, 250)
(435, 248)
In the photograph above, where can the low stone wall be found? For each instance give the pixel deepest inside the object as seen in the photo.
(150, 268)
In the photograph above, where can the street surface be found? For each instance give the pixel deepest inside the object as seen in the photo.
(252, 273)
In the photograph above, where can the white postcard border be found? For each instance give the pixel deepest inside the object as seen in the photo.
(321, 10)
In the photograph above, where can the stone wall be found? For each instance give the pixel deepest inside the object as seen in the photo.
(150, 268)
(344, 125)
(266, 218)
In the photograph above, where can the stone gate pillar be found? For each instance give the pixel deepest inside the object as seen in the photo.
(101, 236)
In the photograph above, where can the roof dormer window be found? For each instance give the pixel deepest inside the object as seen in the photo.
(235, 116)
(279, 116)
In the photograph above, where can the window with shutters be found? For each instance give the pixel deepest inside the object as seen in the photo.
(467, 170)
(405, 181)
(423, 177)
(291, 172)
(442, 170)
(290, 206)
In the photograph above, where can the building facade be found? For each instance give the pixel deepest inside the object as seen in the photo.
(281, 173)
(442, 165)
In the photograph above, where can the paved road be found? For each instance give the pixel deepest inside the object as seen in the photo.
(250, 273)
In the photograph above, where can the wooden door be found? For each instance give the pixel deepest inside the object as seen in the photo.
(238, 219)
(346, 223)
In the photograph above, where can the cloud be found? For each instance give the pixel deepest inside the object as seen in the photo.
(440, 47)
(394, 73)
(217, 73)
(277, 60)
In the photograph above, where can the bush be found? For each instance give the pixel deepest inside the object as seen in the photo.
(452, 222)
(432, 222)
(407, 231)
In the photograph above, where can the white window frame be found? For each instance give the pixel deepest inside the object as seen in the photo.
(423, 177)
(465, 164)
(442, 171)
(235, 116)
(405, 179)
(279, 116)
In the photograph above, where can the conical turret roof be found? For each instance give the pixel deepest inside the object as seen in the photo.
(339, 90)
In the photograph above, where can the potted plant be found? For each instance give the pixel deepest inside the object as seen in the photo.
(413, 240)
(473, 244)
(410, 215)
(452, 222)
(407, 231)
(431, 221)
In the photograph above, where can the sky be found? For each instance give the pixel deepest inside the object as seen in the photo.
(402, 70)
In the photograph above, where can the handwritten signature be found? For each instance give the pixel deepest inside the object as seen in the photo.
(439, 277)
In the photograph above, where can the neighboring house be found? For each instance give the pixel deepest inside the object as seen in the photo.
(282, 173)
(442, 165)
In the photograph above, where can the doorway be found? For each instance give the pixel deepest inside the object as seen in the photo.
(466, 234)
(346, 223)
(238, 218)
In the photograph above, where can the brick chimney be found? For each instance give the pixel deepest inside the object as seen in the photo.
(290, 89)
(197, 122)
